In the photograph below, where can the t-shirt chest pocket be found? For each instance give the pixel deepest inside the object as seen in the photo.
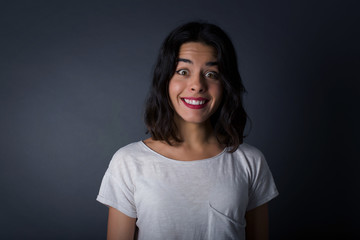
(230, 197)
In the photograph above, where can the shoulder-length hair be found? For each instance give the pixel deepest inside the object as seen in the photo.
(230, 118)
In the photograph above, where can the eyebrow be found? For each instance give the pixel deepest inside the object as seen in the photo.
(189, 61)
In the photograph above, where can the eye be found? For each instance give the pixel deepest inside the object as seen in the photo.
(212, 75)
(182, 72)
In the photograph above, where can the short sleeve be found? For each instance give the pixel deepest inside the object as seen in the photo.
(262, 187)
(116, 188)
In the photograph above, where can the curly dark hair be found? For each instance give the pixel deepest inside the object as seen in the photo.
(229, 120)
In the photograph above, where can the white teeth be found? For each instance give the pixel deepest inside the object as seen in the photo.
(194, 102)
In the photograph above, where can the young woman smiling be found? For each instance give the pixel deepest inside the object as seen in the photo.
(194, 178)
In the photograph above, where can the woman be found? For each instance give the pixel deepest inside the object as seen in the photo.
(194, 178)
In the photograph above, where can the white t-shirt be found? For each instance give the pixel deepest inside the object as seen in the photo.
(201, 199)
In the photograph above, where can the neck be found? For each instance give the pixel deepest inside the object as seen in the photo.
(195, 135)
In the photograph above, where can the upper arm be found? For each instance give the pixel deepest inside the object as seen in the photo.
(120, 226)
(257, 223)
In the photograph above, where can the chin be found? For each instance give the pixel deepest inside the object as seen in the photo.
(195, 120)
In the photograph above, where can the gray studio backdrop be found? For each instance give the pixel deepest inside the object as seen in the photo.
(74, 77)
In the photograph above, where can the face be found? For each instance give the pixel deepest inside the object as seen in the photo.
(195, 90)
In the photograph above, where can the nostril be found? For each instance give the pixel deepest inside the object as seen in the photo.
(197, 89)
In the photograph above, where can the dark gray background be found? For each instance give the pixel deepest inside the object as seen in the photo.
(74, 77)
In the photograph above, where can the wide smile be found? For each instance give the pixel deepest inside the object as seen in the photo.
(195, 103)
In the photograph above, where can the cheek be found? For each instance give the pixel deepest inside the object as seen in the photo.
(216, 91)
(174, 89)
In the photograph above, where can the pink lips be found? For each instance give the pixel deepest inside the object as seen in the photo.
(200, 106)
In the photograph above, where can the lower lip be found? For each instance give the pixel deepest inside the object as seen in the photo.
(194, 106)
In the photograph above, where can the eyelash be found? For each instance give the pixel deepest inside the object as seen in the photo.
(184, 72)
(215, 75)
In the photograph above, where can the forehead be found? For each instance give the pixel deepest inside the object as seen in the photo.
(197, 49)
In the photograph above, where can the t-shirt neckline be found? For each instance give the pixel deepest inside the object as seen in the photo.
(181, 161)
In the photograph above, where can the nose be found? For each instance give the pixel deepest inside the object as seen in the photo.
(198, 84)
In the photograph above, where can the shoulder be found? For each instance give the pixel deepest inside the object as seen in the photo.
(249, 152)
(128, 156)
(251, 158)
(130, 149)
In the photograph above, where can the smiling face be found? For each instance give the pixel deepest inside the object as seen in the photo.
(195, 89)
